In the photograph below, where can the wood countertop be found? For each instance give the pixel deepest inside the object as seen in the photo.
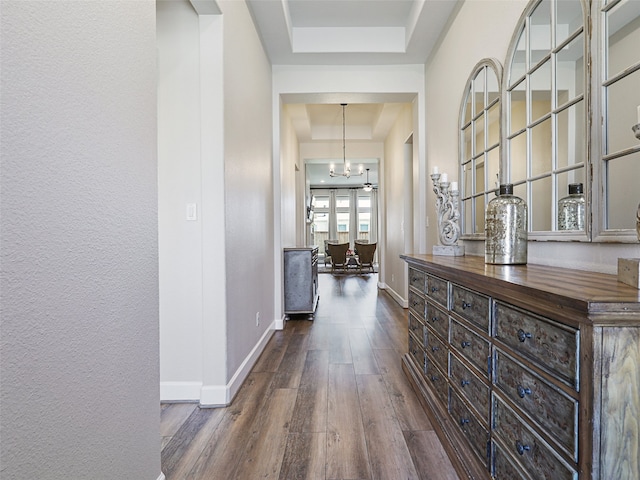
(585, 296)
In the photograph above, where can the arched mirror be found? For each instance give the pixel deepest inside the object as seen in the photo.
(618, 85)
(479, 144)
(544, 119)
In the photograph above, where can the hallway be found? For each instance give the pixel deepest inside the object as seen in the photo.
(326, 400)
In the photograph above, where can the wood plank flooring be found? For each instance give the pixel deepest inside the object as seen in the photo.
(327, 400)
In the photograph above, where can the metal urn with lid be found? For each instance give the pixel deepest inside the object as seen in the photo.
(571, 209)
(506, 229)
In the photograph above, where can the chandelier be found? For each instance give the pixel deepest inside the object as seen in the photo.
(346, 167)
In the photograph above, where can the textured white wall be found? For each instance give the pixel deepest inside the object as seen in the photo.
(79, 278)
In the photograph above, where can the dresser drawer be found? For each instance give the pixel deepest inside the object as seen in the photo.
(417, 279)
(471, 427)
(416, 303)
(471, 305)
(552, 346)
(504, 469)
(471, 386)
(416, 326)
(439, 320)
(532, 451)
(417, 353)
(436, 350)
(550, 408)
(438, 382)
(438, 290)
(471, 345)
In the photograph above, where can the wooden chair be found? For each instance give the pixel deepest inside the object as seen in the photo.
(365, 252)
(338, 254)
(327, 255)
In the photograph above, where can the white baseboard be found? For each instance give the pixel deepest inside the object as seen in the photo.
(222, 395)
(279, 324)
(180, 391)
(397, 297)
(161, 477)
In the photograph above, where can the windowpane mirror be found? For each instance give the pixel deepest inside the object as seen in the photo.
(619, 25)
(479, 135)
(544, 113)
(623, 178)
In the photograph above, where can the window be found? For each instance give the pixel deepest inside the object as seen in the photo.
(344, 215)
(364, 216)
(321, 213)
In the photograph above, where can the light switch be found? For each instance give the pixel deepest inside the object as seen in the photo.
(192, 212)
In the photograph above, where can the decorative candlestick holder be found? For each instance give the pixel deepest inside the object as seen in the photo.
(448, 217)
(636, 130)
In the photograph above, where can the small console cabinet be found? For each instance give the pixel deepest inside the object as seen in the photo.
(300, 280)
(527, 372)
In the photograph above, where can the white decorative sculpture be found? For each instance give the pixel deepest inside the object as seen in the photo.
(448, 216)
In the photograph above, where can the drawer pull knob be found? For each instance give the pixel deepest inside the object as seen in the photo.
(465, 344)
(434, 319)
(434, 349)
(414, 351)
(464, 382)
(465, 305)
(464, 421)
(434, 378)
(522, 448)
(413, 304)
(523, 391)
(522, 335)
(434, 289)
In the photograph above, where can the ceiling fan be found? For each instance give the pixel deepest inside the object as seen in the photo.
(367, 187)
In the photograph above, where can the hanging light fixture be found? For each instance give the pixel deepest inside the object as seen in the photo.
(346, 168)
(367, 186)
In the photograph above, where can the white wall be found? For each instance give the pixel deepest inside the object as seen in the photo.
(483, 29)
(397, 200)
(293, 188)
(248, 186)
(191, 169)
(79, 276)
(179, 183)
(215, 149)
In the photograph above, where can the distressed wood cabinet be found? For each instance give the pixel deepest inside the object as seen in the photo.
(527, 372)
(300, 280)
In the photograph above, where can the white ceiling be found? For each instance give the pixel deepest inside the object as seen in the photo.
(350, 32)
(347, 32)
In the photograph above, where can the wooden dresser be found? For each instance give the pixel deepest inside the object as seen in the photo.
(526, 371)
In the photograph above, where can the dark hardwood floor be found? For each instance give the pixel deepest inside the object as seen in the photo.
(326, 400)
